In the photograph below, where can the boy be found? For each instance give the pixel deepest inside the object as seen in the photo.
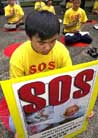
(74, 18)
(42, 52)
(14, 15)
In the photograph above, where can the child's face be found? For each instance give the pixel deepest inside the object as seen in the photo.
(49, 2)
(76, 4)
(71, 110)
(11, 2)
(45, 46)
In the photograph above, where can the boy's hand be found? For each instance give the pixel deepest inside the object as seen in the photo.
(74, 23)
(77, 18)
(12, 12)
(90, 116)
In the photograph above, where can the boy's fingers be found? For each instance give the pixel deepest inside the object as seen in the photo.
(90, 116)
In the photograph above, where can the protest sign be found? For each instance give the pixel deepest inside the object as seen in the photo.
(53, 104)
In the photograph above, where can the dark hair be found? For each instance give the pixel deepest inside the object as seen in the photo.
(43, 23)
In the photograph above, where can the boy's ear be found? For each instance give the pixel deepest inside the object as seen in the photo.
(29, 38)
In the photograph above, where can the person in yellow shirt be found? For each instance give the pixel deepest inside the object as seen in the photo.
(74, 19)
(95, 7)
(49, 7)
(42, 52)
(14, 13)
(42, 28)
(39, 5)
(69, 4)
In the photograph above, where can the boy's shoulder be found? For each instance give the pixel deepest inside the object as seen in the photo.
(22, 47)
(68, 11)
(60, 49)
(59, 45)
(7, 6)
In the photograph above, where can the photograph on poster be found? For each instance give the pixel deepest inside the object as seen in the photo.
(47, 118)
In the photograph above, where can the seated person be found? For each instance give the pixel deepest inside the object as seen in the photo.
(74, 19)
(42, 29)
(14, 14)
(39, 5)
(95, 7)
(69, 4)
(49, 7)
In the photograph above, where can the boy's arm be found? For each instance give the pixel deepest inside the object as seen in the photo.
(68, 61)
(72, 24)
(66, 58)
(83, 20)
(21, 12)
(9, 14)
(67, 23)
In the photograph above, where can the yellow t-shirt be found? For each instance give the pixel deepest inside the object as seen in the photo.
(39, 6)
(25, 60)
(71, 15)
(95, 5)
(18, 13)
(50, 9)
(69, 5)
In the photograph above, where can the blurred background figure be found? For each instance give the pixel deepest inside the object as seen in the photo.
(49, 6)
(14, 15)
(95, 7)
(69, 4)
(74, 20)
(39, 5)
